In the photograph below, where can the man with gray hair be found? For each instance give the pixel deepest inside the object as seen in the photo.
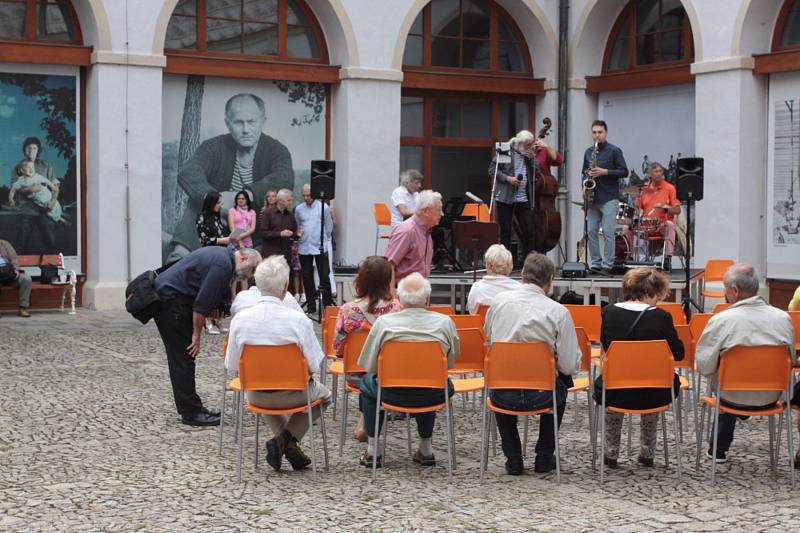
(410, 247)
(270, 322)
(413, 323)
(243, 158)
(278, 227)
(749, 321)
(529, 315)
(404, 197)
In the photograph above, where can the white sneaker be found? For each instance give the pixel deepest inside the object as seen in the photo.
(302, 299)
(212, 330)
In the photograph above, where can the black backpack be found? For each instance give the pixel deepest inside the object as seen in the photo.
(141, 297)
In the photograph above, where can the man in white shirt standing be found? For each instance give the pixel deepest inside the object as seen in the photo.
(271, 323)
(307, 215)
(499, 262)
(529, 315)
(749, 321)
(404, 197)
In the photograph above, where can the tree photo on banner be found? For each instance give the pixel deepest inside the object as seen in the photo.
(227, 135)
(39, 200)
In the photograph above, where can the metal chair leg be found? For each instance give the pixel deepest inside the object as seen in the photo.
(675, 417)
(343, 427)
(311, 432)
(222, 410)
(773, 465)
(448, 435)
(255, 455)
(408, 434)
(377, 432)
(715, 429)
(525, 437)
(484, 441)
(239, 431)
(324, 435)
(555, 433)
(664, 436)
(630, 433)
(335, 385)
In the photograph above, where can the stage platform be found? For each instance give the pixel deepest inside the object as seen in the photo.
(457, 284)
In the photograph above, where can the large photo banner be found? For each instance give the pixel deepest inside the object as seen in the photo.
(228, 135)
(39, 181)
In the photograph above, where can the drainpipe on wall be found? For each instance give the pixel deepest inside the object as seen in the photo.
(563, 109)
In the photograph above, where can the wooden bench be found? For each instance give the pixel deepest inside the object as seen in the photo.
(31, 265)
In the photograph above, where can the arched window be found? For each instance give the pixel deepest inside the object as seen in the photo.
(283, 30)
(649, 33)
(787, 30)
(467, 82)
(50, 21)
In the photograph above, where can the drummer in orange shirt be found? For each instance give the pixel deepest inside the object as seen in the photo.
(659, 205)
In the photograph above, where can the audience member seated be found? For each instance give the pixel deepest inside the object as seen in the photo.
(637, 318)
(749, 321)
(271, 323)
(374, 298)
(413, 323)
(250, 297)
(10, 274)
(529, 315)
(499, 263)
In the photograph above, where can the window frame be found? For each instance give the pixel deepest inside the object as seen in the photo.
(780, 27)
(780, 58)
(32, 49)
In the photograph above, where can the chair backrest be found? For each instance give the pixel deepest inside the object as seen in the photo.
(721, 307)
(280, 367)
(754, 368)
(383, 217)
(685, 335)
(328, 332)
(588, 318)
(479, 211)
(586, 349)
(675, 310)
(412, 364)
(519, 365)
(330, 310)
(473, 349)
(443, 309)
(352, 349)
(637, 365)
(482, 310)
(795, 316)
(224, 346)
(698, 323)
(467, 321)
(715, 269)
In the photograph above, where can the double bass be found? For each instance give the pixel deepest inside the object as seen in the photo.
(546, 220)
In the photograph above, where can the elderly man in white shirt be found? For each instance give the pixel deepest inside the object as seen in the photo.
(529, 315)
(749, 321)
(270, 322)
(250, 297)
(404, 197)
(499, 263)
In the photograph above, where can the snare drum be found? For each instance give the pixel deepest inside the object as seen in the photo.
(625, 214)
(649, 224)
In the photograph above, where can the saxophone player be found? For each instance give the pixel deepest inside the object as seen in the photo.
(609, 167)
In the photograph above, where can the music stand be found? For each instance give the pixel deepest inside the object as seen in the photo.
(476, 237)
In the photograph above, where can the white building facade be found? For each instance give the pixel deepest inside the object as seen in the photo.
(413, 84)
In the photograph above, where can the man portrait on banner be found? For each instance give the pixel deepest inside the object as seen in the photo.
(242, 159)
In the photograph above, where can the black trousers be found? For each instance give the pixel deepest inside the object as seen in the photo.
(506, 213)
(174, 321)
(46, 228)
(307, 264)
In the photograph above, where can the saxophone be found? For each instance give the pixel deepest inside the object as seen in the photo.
(588, 181)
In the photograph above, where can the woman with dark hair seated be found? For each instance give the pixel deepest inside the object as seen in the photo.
(637, 319)
(374, 297)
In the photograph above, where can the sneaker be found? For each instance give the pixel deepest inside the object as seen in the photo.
(302, 298)
(722, 457)
(515, 466)
(211, 329)
(294, 454)
(544, 463)
(645, 461)
(611, 463)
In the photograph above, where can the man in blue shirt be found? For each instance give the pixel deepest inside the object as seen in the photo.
(308, 220)
(190, 290)
(610, 168)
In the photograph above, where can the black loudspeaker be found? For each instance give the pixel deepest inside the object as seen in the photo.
(573, 270)
(689, 185)
(323, 179)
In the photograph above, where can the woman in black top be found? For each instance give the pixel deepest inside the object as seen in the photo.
(642, 288)
(210, 230)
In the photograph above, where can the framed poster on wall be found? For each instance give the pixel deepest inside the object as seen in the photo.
(40, 181)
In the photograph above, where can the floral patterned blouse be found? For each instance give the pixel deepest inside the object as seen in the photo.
(351, 318)
(208, 231)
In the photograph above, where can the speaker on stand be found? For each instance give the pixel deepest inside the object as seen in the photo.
(689, 189)
(323, 187)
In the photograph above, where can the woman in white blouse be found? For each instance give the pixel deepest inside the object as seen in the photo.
(499, 263)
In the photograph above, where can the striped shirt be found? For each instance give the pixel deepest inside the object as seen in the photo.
(241, 176)
(519, 169)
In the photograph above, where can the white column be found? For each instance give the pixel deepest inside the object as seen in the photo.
(116, 138)
(366, 147)
(730, 127)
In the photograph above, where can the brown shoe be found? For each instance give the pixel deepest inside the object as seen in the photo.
(294, 454)
(275, 449)
(424, 460)
(23, 312)
(645, 461)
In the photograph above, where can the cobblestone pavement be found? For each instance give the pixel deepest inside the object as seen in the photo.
(89, 440)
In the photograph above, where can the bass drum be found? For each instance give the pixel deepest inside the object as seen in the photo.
(622, 249)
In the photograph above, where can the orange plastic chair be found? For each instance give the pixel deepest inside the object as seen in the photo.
(714, 271)
(697, 324)
(413, 364)
(467, 321)
(352, 350)
(751, 368)
(281, 367)
(479, 211)
(588, 318)
(518, 365)
(331, 365)
(383, 217)
(470, 360)
(482, 310)
(233, 386)
(442, 309)
(635, 365)
(795, 316)
(687, 365)
(720, 307)
(675, 310)
(583, 383)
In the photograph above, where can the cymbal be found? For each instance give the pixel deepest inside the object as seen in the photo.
(633, 190)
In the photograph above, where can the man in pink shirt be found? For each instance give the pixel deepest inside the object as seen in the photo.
(410, 247)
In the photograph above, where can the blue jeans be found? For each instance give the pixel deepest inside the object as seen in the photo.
(528, 400)
(605, 215)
